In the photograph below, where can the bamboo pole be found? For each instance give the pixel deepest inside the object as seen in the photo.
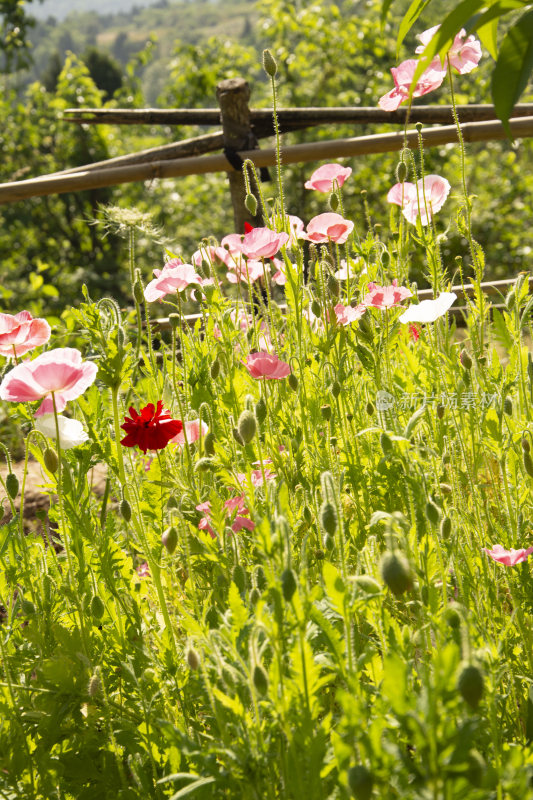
(441, 114)
(299, 153)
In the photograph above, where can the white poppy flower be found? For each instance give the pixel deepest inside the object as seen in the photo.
(429, 310)
(71, 431)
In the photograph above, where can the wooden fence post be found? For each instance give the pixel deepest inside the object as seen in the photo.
(233, 96)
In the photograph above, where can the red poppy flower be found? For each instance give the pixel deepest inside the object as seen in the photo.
(152, 429)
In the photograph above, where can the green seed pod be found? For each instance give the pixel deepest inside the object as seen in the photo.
(250, 202)
(470, 685)
(125, 510)
(333, 201)
(260, 679)
(367, 584)
(247, 426)
(170, 539)
(51, 461)
(508, 407)
(325, 410)
(432, 513)
(288, 584)
(209, 444)
(28, 608)
(445, 527)
(370, 409)
(138, 292)
(464, 358)
(238, 576)
(402, 171)
(361, 782)
(396, 573)
(215, 369)
(175, 321)
(269, 63)
(336, 389)
(315, 308)
(528, 464)
(97, 607)
(386, 444)
(12, 485)
(320, 555)
(440, 410)
(328, 517)
(293, 382)
(193, 659)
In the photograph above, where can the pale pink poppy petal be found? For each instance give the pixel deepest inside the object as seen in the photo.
(323, 178)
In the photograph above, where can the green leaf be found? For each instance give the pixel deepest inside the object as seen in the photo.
(239, 614)
(385, 10)
(513, 67)
(335, 588)
(411, 425)
(501, 331)
(488, 35)
(412, 14)
(529, 719)
(394, 686)
(192, 787)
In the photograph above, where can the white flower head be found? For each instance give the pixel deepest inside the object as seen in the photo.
(71, 431)
(429, 310)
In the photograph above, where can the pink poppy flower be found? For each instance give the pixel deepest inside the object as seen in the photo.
(256, 477)
(204, 508)
(236, 504)
(174, 277)
(324, 177)
(60, 371)
(245, 271)
(329, 227)
(279, 276)
(193, 431)
(423, 198)
(242, 522)
(205, 525)
(267, 365)
(347, 314)
(508, 557)
(143, 570)
(21, 333)
(206, 253)
(262, 242)
(403, 75)
(464, 54)
(414, 333)
(385, 296)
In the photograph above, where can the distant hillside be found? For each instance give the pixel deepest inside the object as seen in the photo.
(62, 8)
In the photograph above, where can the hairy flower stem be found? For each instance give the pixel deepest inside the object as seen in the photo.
(278, 145)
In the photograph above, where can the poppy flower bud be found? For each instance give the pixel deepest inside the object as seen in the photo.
(138, 292)
(367, 584)
(209, 444)
(95, 685)
(204, 464)
(432, 513)
(247, 426)
(237, 436)
(261, 409)
(320, 555)
(386, 444)
(333, 202)
(508, 407)
(308, 516)
(28, 608)
(215, 369)
(172, 502)
(315, 308)
(325, 410)
(445, 488)
(526, 447)
(288, 584)
(329, 542)
(465, 359)
(328, 518)
(440, 410)
(238, 576)
(333, 285)
(193, 659)
(125, 510)
(260, 679)
(97, 607)
(528, 464)
(445, 527)
(51, 461)
(402, 170)
(452, 617)
(269, 63)
(361, 782)
(170, 539)
(370, 408)
(385, 259)
(336, 389)
(250, 202)
(293, 382)
(470, 685)
(396, 573)
(12, 485)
